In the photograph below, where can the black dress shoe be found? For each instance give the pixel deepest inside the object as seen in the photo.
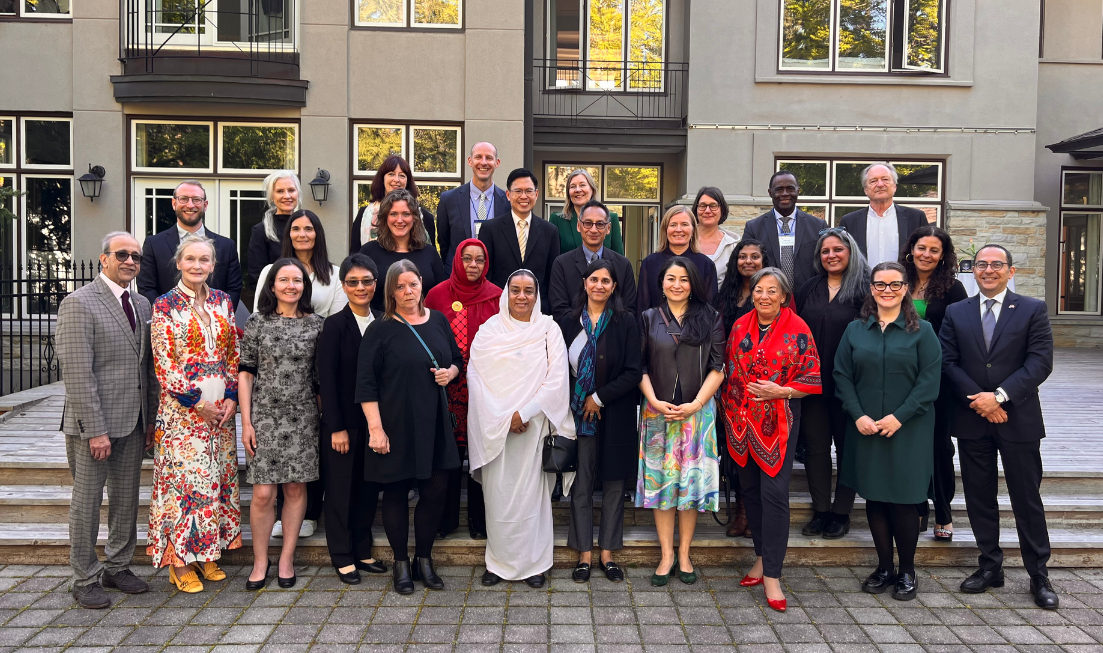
(1044, 596)
(536, 581)
(403, 580)
(254, 585)
(476, 533)
(906, 587)
(91, 597)
(423, 570)
(612, 571)
(879, 581)
(351, 578)
(286, 583)
(815, 525)
(981, 580)
(125, 581)
(373, 567)
(836, 527)
(581, 572)
(490, 578)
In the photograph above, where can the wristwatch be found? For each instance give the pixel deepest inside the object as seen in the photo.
(1001, 396)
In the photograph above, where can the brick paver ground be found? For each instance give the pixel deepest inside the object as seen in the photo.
(827, 612)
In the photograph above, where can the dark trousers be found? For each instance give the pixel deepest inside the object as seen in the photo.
(580, 535)
(476, 509)
(1022, 467)
(396, 514)
(766, 499)
(824, 422)
(944, 481)
(350, 501)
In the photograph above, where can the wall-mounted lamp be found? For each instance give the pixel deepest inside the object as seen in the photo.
(91, 183)
(319, 186)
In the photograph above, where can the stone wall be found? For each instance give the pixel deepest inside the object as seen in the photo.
(1023, 233)
(1077, 334)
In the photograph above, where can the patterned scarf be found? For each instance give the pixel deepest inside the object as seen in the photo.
(585, 380)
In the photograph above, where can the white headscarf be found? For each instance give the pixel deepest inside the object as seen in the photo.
(510, 367)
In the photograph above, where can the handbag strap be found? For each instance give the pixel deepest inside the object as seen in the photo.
(427, 351)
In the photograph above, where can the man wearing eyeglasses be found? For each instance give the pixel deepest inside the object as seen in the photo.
(997, 348)
(159, 274)
(788, 234)
(111, 398)
(594, 223)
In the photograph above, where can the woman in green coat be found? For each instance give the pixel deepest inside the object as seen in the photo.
(887, 371)
(580, 190)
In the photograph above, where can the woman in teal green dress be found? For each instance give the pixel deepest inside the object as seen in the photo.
(887, 371)
(581, 188)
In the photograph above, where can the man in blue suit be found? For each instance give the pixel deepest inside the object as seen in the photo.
(462, 211)
(997, 348)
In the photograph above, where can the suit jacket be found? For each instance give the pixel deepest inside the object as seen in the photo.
(566, 279)
(159, 275)
(806, 232)
(907, 221)
(107, 368)
(1020, 359)
(338, 355)
(354, 234)
(454, 218)
(504, 252)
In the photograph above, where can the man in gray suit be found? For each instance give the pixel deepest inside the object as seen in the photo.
(111, 396)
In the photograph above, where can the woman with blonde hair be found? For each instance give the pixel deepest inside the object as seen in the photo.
(677, 237)
(581, 188)
(282, 192)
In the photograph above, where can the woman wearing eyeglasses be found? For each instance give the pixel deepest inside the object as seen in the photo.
(580, 190)
(887, 372)
(712, 211)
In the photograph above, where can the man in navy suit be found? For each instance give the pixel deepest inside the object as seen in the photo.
(788, 234)
(997, 348)
(158, 273)
(568, 268)
(462, 211)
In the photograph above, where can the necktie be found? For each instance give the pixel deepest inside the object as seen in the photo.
(988, 323)
(522, 236)
(787, 250)
(483, 207)
(129, 310)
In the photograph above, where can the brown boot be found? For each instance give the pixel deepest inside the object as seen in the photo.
(738, 525)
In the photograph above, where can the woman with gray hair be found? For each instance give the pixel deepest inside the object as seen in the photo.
(581, 188)
(828, 303)
(282, 191)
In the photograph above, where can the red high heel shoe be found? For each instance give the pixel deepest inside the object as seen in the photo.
(750, 581)
(778, 605)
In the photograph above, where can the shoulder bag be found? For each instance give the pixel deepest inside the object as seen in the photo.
(432, 359)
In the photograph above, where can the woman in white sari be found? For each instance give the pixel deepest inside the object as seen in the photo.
(518, 393)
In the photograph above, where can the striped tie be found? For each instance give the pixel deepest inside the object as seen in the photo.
(522, 235)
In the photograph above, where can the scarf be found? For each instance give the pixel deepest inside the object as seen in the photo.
(585, 381)
(460, 300)
(787, 356)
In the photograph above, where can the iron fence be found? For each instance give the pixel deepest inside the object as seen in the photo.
(629, 90)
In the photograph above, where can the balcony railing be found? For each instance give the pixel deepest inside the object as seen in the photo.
(631, 90)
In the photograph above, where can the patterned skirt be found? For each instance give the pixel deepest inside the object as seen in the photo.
(679, 463)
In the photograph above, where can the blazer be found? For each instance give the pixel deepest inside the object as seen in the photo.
(107, 368)
(667, 364)
(1020, 359)
(158, 273)
(907, 221)
(354, 234)
(338, 355)
(566, 279)
(262, 251)
(454, 218)
(504, 253)
(807, 233)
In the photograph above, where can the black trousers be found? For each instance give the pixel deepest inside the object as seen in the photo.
(476, 509)
(580, 535)
(1022, 467)
(766, 499)
(350, 501)
(944, 481)
(822, 424)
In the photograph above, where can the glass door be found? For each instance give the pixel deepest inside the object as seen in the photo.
(153, 207)
(639, 228)
(1080, 263)
(241, 206)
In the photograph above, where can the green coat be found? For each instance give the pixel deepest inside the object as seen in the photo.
(570, 238)
(889, 373)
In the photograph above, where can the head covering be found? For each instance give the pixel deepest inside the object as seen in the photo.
(512, 367)
(479, 297)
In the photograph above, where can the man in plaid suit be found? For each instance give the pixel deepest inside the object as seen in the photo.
(111, 396)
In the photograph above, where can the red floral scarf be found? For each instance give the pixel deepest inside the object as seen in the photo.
(787, 356)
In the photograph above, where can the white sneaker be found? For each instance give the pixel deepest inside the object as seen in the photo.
(277, 529)
(308, 528)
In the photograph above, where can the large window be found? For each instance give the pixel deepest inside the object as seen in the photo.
(434, 152)
(609, 45)
(212, 146)
(1081, 213)
(831, 188)
(50, 9)
(856, 36)
(221, 23)
(429, 14)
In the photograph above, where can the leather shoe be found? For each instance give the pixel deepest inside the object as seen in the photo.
(750, 581)
(612, 570)
(581, 572)
(836, 527)
(403, 580)
(906, 587)
(536, 581)
(125, 581)
(738, 525)
(1044, 595)
(879, 581)
(373, 567)
(351, 578)
(425, 572)
(476, 533)
(490, 578)
(254, 585)
(981, 580)
(91, 597)
(286, 583)
(815, 525)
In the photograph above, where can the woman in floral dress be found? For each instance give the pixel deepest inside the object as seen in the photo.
(194, 510)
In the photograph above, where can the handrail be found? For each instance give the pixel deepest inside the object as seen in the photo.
(630, 90)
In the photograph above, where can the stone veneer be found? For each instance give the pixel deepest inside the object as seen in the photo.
(1023, 233)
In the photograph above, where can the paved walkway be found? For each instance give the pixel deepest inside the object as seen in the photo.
(826, 613)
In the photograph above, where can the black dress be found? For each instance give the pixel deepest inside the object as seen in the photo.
(649, 288)
(426, 259)
(394, 371)
(943, 485)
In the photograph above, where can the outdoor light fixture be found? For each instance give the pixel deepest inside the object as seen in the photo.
(92, 183)
(319, 186)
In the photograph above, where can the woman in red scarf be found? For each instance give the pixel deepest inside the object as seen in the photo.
(772, 363)
(467, 300)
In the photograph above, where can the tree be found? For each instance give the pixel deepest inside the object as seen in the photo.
(245, 147)
(437, 12)
(806, 32)
(381, 11)
(375, 144)
(924, 35)
(862, 32)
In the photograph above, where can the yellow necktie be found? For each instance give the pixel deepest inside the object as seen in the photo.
(522, 236)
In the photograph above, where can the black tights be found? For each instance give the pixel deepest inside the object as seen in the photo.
(396, 514)
(894, 521)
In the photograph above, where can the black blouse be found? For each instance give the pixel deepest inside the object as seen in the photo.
(936, 306)
(827, 319)
(426, 259)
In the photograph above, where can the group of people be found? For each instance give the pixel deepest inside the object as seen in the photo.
(722, 354)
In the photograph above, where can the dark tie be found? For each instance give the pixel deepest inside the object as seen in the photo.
(988, 323)
(129, 310)
(786, 250)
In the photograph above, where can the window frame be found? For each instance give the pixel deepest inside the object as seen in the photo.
(1077, 209)
(223, 170)
(413, 153)
(22, 14)
(621, 200)
(408, 19)
(212, 153)
(404, 135)
(209, 38)
(15, 153)
(22, 145)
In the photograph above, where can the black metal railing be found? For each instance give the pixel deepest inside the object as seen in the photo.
(251, 37)
(630, 90)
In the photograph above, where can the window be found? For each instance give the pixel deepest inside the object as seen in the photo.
(221, 23)
(434, 153)
(624, 44)
(831, 188)
(430, 14)
(855, 36)
(179, 146)
(1081, 213)
(189, 147)
(48, 9)
(257, 148)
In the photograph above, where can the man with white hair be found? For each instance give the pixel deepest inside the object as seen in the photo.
(883, 228)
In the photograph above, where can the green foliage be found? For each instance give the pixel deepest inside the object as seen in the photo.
(924, 34)
(436, 150)
(811, 177)
(248, 147)
(375, 144)
(437, 12)
(806, 33)
(173, 146)
(381, 11)
(862, 33)
(606, 43)
(8, 196)
(632, 183)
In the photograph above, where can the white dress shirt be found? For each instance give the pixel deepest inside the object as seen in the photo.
(117, 290)
(363, 322)
(996, 308)
(792, 222)
(882, 236)
(184, 233)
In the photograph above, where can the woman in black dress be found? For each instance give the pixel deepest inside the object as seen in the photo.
(402, 236)
(393, 174)
(677, 237)
(401, 388)
(931, 267)
(827, 303)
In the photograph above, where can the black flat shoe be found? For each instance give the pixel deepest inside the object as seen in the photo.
(475, 533)
(254, 585)
(815, 525)
(351, 578)
(906, 587)
(287, 583)
(879, 581)
(1044, 595)
(838, 526)
(612, 572)
(490, 578)
(536, 581)
(423, 570)
(403, 580)
(373, 567)
(981, 580)
(581, 572)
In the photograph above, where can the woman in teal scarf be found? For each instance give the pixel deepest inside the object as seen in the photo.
(581, 188)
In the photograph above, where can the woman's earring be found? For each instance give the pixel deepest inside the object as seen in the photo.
(909, 258)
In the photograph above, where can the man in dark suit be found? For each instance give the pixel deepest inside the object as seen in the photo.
(507, 236)
(159, 275)
(997, 348)
(568, 268)
(883, 228)
(462, 211)
(788, 234)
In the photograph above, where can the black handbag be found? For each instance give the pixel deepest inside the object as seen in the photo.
(560, 454)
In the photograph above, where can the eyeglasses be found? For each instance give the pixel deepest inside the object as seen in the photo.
(590, 224)
(528, 192)
(122, 255)
(354, 283)
(185, 200)
(708, 207)
(467, 260)
(984, 265)
(881, 286)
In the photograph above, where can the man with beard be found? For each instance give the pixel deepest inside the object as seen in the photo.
(159, 275)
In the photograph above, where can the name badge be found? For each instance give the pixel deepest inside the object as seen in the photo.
(787, 240)
(478, 226)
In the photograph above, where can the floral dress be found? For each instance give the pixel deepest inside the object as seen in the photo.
(194, 509)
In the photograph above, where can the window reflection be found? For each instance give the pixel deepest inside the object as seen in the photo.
(46, 142)
(862, 34)
(806, 34)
